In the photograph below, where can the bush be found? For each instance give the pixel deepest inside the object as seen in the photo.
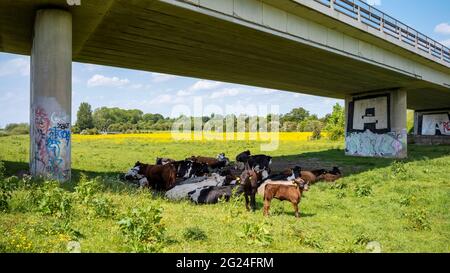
(93, 131)
(143, 229)
(5, 195)
(53, 200)
(194, 234)
(257, 234)
(418, 219)
(398, 170)
(86, 189)
(102, 207)
(17, 129)
(362, 190)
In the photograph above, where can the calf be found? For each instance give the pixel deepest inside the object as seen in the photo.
(159, 177)
(249, 180)
(332, 175)
(309, 177)
(292, 193)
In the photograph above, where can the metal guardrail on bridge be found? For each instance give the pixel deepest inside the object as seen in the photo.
(376, 19)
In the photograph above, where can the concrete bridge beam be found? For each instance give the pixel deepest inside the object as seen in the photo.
(51, 95)
(376, 124)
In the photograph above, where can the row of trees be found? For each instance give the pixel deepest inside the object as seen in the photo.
(106, 119)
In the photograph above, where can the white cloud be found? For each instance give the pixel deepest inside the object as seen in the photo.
(446, 42)
(158, 77)
(100, 80)
(443, 28)
(228, 92)
(198, 86)
(204, 85)
(17, 66)
(374, 2)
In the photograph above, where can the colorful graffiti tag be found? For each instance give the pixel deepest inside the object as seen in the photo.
(52, 145)
(436, 124)
(376, 145)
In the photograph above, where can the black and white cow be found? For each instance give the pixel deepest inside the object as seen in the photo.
(187, 169)
(134, 177)
(287, 176)
(212, 194)
(259, 163)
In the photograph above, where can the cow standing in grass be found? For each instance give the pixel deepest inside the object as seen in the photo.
(250, 180)
(283, 191)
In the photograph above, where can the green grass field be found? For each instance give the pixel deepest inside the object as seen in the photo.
(403, 205)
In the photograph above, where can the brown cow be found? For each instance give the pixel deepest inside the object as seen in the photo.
(249, 180)
(160, 177)
(331, 176)
(281, 191)
(212, 162)
(309, 177)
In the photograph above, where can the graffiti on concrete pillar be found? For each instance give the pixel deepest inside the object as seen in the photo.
(435, 124)
(376, 145)
(52, 135)
(369, 130)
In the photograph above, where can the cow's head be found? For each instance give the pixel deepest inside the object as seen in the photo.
(297, 171)
(135, 173)
(302, 184)
(222, 158)
(336, 170)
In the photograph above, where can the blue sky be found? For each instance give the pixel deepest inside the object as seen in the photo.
(158, 93)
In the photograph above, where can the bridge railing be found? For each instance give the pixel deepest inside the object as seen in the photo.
(373, 17)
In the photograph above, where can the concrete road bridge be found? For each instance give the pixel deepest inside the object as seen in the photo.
(342, 49)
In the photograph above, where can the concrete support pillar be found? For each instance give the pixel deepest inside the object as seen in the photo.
(51, 95)
(376, 124)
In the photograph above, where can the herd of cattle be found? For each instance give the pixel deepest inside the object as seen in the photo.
(206, 180)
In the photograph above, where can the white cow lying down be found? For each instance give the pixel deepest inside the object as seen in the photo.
(181, 191)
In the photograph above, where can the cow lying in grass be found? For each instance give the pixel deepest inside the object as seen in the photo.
(282, 190)
(331, 176)
(159, 177)
(285, 176)
(214, 163)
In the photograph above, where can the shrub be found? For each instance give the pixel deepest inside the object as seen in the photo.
(362, 190)
(102, 207)
(257, 234)
(143, 229)
(17, 129)
(2, 170)
(194, 234)
(398, 169)
(86, 189)
(53, 200)
(5, 195)
(316, 133)
(418, 219)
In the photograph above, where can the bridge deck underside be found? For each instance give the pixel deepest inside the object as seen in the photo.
(153, 36)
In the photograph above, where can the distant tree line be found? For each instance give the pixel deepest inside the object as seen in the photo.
(118, 120)
(15, 129)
